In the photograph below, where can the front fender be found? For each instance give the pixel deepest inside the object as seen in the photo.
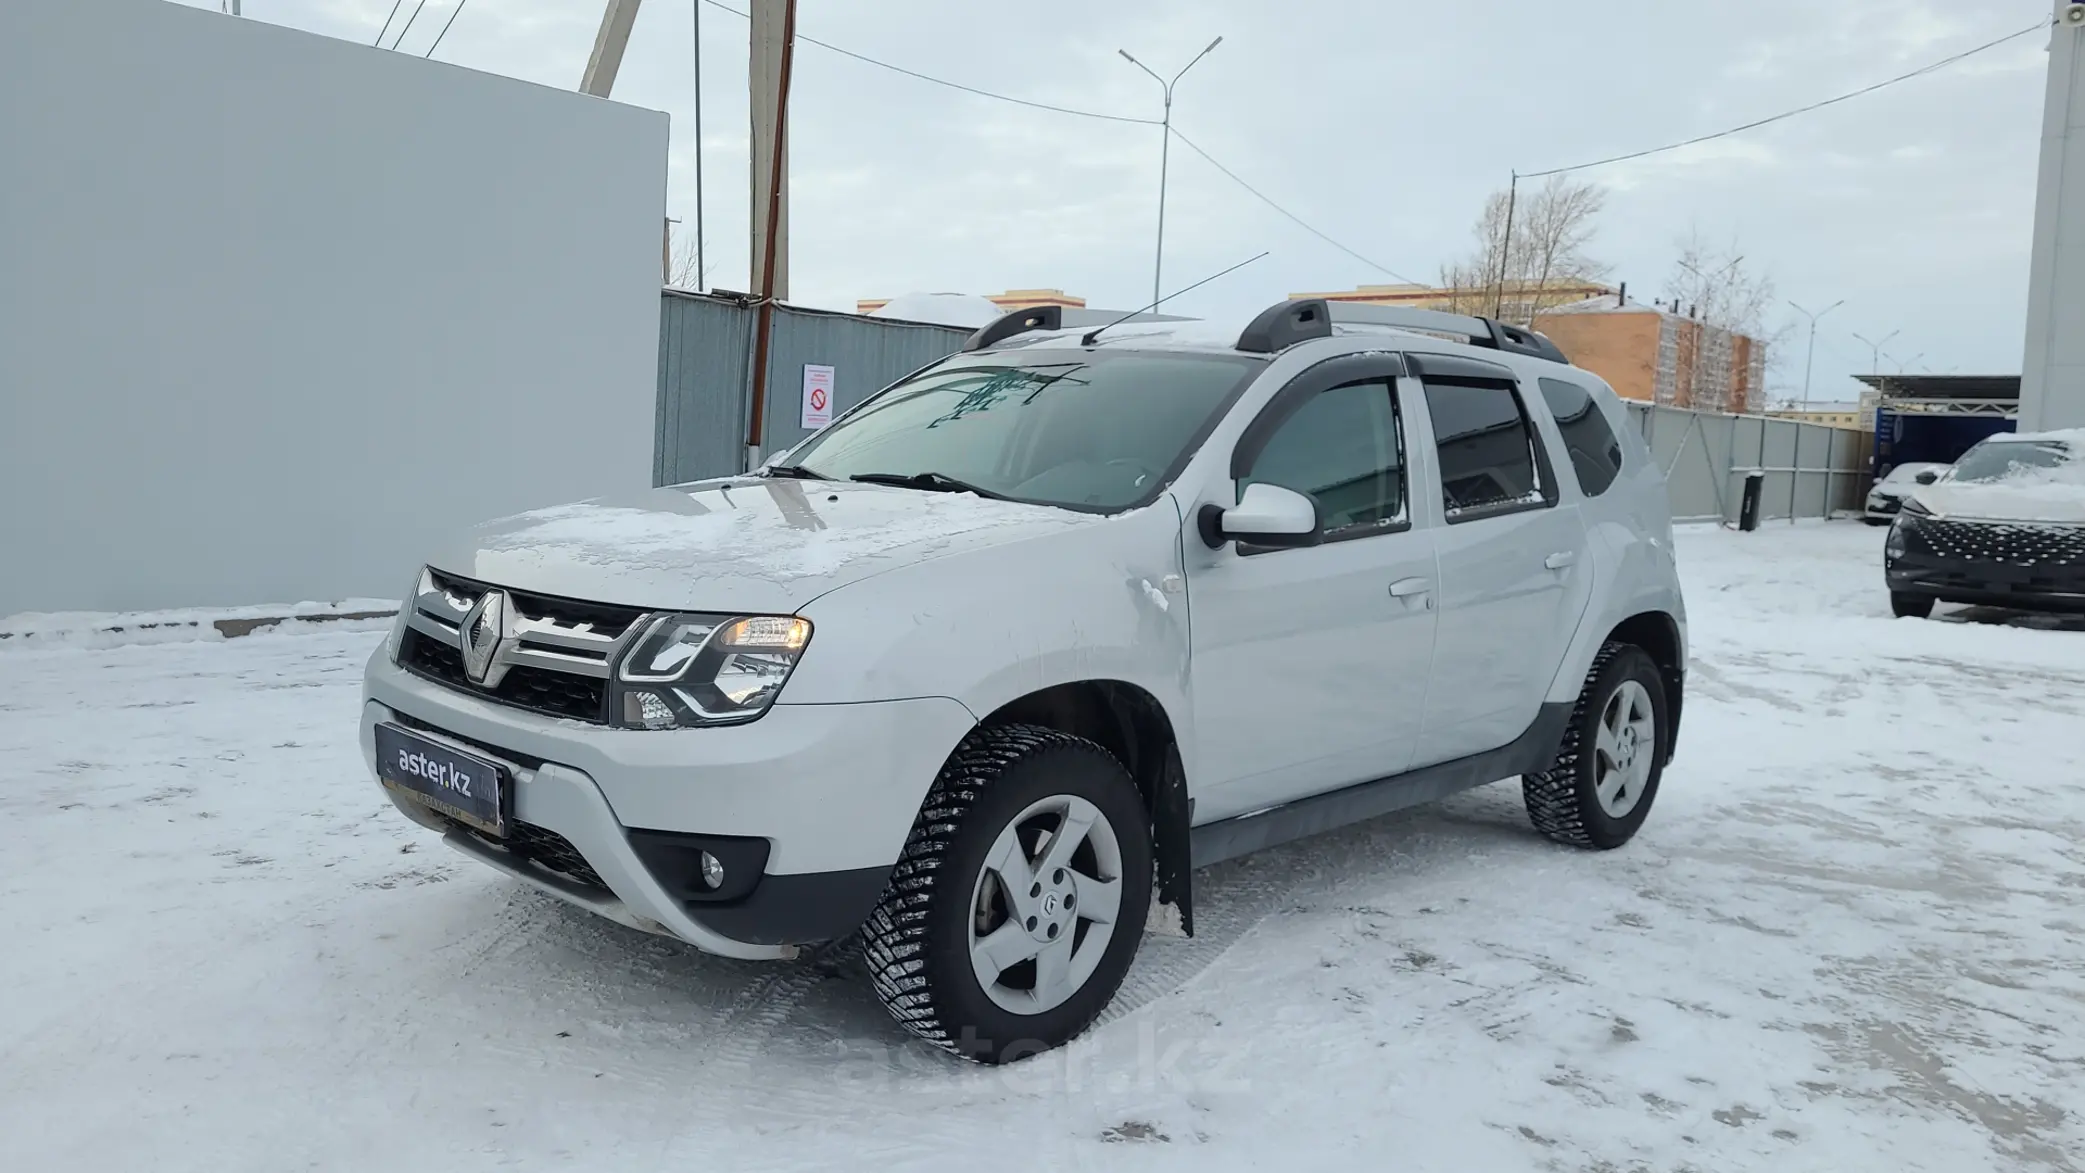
(985, 627)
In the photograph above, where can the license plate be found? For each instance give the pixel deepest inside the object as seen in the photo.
(468, 789)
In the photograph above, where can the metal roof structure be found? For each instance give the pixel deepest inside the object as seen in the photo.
(1997, 395)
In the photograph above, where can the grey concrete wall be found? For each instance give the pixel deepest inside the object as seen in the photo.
(276, 311)
(2052, 394)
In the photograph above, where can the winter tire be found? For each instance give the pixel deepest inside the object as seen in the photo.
(1019, 900)
(1600, 788)
(1905, 605)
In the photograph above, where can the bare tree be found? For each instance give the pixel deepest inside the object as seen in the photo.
(1552, 227)
(1717, 286)
(682, 274)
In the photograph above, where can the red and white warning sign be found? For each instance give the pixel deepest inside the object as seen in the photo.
(818, 396)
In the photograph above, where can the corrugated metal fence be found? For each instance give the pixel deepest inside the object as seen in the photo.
(705, 366)
(1811, 470)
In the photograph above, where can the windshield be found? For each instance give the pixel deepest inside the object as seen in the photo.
(1077, 428)
(1996, 461)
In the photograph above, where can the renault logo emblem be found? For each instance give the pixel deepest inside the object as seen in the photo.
(483, 631)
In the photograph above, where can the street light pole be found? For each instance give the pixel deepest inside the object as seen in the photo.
(1875, 350)
(1810, 360)
(1165, 154)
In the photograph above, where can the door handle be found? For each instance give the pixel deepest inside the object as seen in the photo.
(1560, 560)
(1406, 588)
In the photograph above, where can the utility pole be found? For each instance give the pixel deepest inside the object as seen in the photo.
(770, 203)
(1165, 148)
(774, 23)
(1498, 308)
(607, 58)
(701, 265)
(1810, 360)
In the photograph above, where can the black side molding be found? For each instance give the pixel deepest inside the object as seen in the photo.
(1532, 751)
(1045, 317)
(1284, 324)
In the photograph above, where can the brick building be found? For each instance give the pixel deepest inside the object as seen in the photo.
(1656, 356)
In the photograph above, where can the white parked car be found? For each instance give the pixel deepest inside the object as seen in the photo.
(2006, 528)
(1887, 495)
(1004, 654)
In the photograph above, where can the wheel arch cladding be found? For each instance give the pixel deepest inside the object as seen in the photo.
(1658, 634)
(1132, 724)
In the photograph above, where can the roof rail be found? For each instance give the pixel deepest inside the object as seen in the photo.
(1042, 317)
(1284, 324)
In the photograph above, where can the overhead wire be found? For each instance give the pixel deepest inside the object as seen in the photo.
(445, 28)
(1293, 218)
(387, 23)
(942, 81)
(400, 39)
(1798, 111)
(1325, 237)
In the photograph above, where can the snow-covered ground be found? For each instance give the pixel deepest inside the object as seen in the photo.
(1850, 937)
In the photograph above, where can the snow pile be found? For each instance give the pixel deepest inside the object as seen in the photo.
(103, 629)
(963, 310)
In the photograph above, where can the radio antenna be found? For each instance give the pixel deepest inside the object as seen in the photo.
(1089, 339)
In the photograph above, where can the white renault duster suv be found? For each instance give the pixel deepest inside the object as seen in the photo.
(1004, 654)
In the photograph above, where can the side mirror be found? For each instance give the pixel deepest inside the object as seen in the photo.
(1267, 515)
(1928, 477)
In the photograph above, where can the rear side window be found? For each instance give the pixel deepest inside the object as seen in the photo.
(1596, 456)
(1487, 450)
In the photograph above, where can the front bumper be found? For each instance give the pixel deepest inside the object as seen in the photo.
(1880, 507)
(820, 797)
(1998, 564)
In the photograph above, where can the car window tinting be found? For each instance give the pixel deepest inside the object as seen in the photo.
(1596, 455)
(1487, 450)
(1342, 449)
(1057, 427)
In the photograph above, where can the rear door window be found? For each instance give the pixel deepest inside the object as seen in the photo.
(1596, 455)
(1488, 458)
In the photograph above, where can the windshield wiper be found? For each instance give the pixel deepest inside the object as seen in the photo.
(794, 472)
(932, 482)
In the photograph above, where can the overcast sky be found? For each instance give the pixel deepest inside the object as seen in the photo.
(1382, 123)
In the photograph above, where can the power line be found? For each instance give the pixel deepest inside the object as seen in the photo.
(400, 40)
(1293, 217)
(387, 23)
(1787, 114)
(445, 28)
(954, 85)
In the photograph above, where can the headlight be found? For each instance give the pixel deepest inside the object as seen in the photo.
(708, 669)
(1895, 546)
(1916, 508)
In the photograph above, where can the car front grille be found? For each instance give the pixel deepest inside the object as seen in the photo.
(555, 659)
(2024, 546)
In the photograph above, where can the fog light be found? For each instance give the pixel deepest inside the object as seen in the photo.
(647, 711)
(712, 872)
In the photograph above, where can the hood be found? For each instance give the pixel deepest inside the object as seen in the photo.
(2020, 499)
(741, 545)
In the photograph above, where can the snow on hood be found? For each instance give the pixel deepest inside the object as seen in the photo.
(2038, 494)
(744, 545)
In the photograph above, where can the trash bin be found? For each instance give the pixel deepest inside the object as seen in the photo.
(1748, 511)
